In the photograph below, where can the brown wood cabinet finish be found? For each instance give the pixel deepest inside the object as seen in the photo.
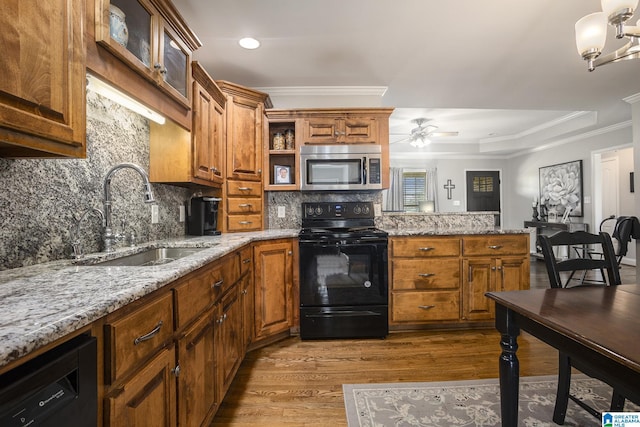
(42, 92)
(443, 279)
(273, 283)
(349, 130)
(149, 398)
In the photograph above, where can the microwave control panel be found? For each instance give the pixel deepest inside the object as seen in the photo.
(375, 174)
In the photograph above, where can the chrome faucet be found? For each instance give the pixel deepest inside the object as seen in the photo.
(76, 244)
(109, 237)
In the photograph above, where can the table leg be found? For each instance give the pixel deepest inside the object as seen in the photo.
(509, 366)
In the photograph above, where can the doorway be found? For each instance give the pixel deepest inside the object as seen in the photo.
(484, 192)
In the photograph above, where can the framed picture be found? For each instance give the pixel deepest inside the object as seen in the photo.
(282, 174)
(561, 188)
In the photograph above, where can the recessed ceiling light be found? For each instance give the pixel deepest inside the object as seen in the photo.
(249, 43)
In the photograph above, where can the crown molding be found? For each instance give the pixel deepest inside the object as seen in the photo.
(632, 99)
(325, 90)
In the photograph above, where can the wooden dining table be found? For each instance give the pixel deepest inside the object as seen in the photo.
(597, 325)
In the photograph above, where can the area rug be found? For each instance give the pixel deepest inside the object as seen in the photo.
(469, 403)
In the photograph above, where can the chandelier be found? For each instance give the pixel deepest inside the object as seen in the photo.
(591, 32)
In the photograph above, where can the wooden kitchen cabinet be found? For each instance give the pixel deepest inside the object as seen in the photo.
(443, 279)
(275, 156)
(340, 130)
(197, 382)
(246, 296)
(492, 263)
(273, 287)
(42, 92)
(158, 46)
(243, 208)
(197, 158)
(148, 398)
(425, 280)
(229, 351)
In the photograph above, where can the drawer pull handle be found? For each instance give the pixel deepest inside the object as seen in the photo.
(426, 307)
(148, 336)
(245, 205)
(245, 222)
(426, 274)
(426, 249)
(218, 283)
(495, 247)
(244, 188)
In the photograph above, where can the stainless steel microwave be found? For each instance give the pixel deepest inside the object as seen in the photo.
(340, 167)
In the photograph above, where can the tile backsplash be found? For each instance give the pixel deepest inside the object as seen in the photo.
(39, 198)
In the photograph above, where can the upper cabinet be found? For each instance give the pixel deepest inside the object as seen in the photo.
(42, 92)
(341, 130)
(245, 112)
(151, 38)
(197, 157)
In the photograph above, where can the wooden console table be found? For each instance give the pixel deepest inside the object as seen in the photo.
(599, 326)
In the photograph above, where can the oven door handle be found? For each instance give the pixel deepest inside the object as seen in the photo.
(350, 313)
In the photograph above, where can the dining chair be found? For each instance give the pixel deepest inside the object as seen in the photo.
(567, 266)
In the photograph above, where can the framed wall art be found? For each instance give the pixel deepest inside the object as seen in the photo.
(561, 188)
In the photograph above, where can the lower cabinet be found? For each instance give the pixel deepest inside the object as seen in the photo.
(197, 379)
(273, 287)
(443, 279)
(149, 397)
(170, 358)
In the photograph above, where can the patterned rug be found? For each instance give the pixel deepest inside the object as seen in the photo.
(469, 403)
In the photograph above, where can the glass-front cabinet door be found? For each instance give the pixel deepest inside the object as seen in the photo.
(136, 33)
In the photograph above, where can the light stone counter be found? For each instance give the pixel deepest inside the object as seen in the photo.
(42, 303)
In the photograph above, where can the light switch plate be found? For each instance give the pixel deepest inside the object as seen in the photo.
(181, 213)
(377, 209)
(154, 214)
(281, 212)
(456, 203)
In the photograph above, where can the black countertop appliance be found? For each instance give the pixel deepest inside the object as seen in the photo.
(202, 216)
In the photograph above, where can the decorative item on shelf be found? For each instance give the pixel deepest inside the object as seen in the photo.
(117, 25)
(552, 216)
(282, 174)
(278, 141)
(289, 139)
(535, 209)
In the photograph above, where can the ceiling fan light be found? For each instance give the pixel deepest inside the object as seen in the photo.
(614, 7)
(591, 33)
(420, 143)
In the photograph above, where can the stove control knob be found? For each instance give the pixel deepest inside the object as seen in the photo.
(310, 210)
(367, 284)
(356, 210)
(365, 210)
(318, 210)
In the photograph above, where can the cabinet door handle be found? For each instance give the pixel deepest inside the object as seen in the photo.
(426, 307)
(148, 336)
(213, 169)
(245, 222)
(176, 371)
(218, 283)
(426, 274)
(495, 247)
(246, 260)
(426, 249)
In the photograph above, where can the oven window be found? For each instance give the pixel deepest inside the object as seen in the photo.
(347, 171)
(347, 275)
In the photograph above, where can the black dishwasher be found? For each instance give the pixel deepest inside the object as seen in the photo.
(57, 388)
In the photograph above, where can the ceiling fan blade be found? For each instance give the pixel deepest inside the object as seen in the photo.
(437, 134)
(408, 138)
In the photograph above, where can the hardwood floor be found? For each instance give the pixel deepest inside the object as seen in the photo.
(299, 383)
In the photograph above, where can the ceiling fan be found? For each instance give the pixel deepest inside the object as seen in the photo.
(421, 135)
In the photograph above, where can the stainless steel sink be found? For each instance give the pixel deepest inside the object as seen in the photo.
(151, 257)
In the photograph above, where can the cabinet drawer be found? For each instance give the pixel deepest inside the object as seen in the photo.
(244, 188)
(136, 336)
(415, 306)
(425, 247)
(496, 245)
(244, 205)
(244, 222)
(425, 273)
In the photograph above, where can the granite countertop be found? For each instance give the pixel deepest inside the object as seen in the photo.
(42, 303)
